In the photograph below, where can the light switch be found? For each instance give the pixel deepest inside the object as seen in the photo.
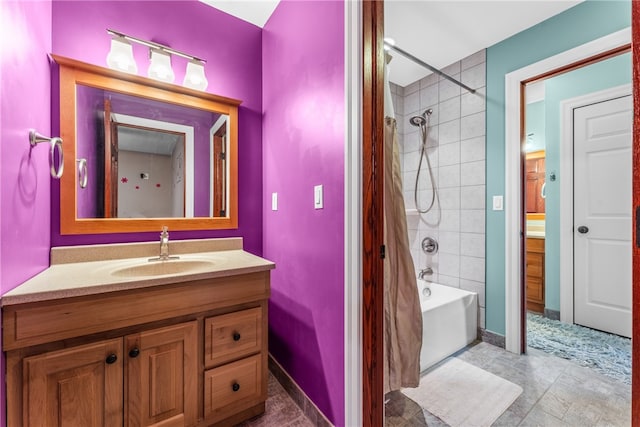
(318, 197)
(274, 201)
(498, 203)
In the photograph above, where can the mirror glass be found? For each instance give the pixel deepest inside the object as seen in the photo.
(140, 154)
(149, 159)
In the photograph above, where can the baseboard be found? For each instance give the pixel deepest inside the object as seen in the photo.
(493, 338)
(298, 395)
(552, 314)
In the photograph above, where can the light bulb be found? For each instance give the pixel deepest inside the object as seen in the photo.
(160, 67)
(120, 56)
(194, 77)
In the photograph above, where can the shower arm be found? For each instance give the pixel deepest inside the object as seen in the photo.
(427, 66)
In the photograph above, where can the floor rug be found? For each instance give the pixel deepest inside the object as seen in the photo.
(606, 353)
(462, 394)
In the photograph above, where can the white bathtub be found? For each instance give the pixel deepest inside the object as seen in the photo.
(449, 321)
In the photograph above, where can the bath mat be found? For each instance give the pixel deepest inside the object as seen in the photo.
(606, 353)
(464, 395)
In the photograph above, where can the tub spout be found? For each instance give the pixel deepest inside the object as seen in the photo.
(425, 272)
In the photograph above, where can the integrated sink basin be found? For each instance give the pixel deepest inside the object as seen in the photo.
(159, 268)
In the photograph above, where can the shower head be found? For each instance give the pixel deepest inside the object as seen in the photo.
(421, 120)
(418, 121)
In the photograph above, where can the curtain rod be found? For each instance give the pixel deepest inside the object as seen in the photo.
(427, 66)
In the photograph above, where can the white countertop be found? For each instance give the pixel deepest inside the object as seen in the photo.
(89, 270)
(535, 234)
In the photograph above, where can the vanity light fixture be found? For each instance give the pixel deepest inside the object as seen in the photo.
(120, 56)
(160, 55)
(160, 67)
(194, 78)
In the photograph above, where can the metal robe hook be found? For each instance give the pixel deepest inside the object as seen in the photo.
(36, 138)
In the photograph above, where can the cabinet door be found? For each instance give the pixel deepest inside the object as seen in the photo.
(79, 386)
(161, 377)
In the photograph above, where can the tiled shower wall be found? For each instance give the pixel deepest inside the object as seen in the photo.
(456, 149)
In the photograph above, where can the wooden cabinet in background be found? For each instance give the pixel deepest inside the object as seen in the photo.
(534, 182)
(535, 274)
(185, 354)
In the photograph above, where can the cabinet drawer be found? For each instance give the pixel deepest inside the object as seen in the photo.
(535, 289)
(233, 387)
(232, 336)
(534, 264)
(535, 245)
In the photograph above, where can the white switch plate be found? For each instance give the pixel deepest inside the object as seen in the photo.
(498, 203)
(274, 201)
(318, 197)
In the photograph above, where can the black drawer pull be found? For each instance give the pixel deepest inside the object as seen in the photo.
(235, 387)
(111, 359)
(236, 336)
(135, 352)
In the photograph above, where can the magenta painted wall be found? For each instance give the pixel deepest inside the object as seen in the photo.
(303, 145)
(25, 99)
(24, 172)
(234, 69)
(90, 102)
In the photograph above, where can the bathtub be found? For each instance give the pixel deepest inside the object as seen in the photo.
(449, 321)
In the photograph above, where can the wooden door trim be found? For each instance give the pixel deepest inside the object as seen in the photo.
(372, 208)
(635, 341)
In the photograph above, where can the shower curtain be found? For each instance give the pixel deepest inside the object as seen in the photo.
(403, 317)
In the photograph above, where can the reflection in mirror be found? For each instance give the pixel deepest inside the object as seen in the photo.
(149, 159)
(156, 153)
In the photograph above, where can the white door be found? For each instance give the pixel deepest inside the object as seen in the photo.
(602, 215)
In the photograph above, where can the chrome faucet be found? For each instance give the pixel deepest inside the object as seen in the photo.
(425, 272)
(164, 243)
(164, 246)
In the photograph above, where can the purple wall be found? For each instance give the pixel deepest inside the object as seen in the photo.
(89, 102)
(25, 99)
(233, 50)
(303, 129)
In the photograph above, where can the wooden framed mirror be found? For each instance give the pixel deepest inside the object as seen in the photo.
(155, 154)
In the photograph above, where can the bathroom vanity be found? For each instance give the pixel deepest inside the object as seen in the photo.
(105, 337)
(535, 273)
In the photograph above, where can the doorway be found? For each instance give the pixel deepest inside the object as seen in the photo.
(372, 118)
(588, 124)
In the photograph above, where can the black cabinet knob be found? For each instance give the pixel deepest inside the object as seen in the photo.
(235, 387)
(134, 352)
(236, 336)
(111, 359)
(583, 229)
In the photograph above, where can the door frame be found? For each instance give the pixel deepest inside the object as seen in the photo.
(566, 190)
(373, 77)
(514, 131)
(372, 213)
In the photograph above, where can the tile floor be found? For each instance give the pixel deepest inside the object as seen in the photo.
(280, 410)
(556, 392)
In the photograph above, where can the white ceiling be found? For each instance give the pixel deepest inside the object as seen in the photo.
(443, 32)
(256, 12)
(439, 32)
(150, 141)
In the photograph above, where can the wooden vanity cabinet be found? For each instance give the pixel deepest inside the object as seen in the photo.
(535, 274)
(79, 386)
(534, 182)
(190, 354)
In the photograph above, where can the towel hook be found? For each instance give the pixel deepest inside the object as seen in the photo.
(36, 138)
(82, 172)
